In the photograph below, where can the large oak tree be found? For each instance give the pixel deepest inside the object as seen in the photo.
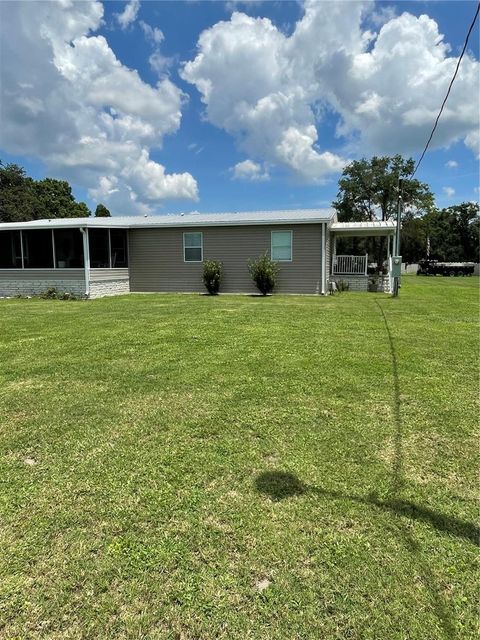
(22, 198)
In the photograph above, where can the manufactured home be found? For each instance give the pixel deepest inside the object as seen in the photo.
(94, 257)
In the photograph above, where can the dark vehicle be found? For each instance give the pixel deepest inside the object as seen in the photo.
(435, 268)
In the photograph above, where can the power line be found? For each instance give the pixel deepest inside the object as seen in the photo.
(449, 89)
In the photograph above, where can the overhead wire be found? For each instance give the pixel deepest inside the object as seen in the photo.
(448, 90)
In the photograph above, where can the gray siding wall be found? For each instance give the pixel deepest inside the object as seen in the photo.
(328, 257)
(42, 274)
(102, 275)
(156, 258)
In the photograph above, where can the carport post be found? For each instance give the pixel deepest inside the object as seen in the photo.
(86, 260)
(396, 279)
(324, 250)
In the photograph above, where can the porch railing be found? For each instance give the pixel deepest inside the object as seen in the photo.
(350, 265)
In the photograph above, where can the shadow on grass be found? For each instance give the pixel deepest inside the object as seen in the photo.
(403, 508)
(278, 485)
(397, 469)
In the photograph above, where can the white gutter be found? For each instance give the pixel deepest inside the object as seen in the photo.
(324, 249)
(86, 260)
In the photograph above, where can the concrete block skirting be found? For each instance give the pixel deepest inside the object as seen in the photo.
(385, 283)
(12, 288)
(379, 283)
(355, 283)
(101, 288)
(364, 283)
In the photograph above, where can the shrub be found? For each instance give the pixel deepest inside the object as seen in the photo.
(212, 274)
(53, 294)
(342, 285)
(49, 294)
(264, 272)
(67, 295)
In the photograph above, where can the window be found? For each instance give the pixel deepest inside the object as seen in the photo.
(282, 246)
(68, 248)
(37, 249)
(193, 246)
(118, 244)
(10, 250)
(99, 248)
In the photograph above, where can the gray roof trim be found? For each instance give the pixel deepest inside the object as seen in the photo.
(297, 216)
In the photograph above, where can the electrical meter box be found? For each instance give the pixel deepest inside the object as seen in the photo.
(396, 266)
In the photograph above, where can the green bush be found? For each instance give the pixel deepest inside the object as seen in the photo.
(342, 285)
(49, 294)
(212, 274)
(67, 295)
(53, 294)
(264, 272)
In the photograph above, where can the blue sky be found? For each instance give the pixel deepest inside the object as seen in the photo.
(156, 107)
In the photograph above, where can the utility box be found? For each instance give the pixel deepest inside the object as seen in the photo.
(396, 266)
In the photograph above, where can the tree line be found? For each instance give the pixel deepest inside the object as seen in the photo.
(22, 198)
(368, 190)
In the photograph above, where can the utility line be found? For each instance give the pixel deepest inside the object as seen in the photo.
(449, 89)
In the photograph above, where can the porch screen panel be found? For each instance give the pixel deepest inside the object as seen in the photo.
(99, 248)
(68, 248)
(37, 249)
(118, 242)
(10, 250)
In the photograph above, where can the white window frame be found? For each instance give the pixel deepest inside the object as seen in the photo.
(198, 247)
(291, 245)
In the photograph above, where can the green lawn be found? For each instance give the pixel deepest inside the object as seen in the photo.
(187, 467)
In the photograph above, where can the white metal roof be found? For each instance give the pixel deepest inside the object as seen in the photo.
(296, 216)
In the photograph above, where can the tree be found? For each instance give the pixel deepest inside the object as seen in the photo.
(102, 212)
(17, 198)
(414, 238)
(22, 198)
(82, 211)
(368, 190)
(54, 199)
(454, 232)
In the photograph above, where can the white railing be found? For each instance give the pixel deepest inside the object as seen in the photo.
(350, 265)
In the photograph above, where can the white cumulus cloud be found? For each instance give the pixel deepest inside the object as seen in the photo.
(249, 170)
(451, 164)
(153, 34)
(448, 191)
(275, 93)
(70, 102)
(129, 14)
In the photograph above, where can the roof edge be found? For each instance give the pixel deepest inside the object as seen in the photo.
(180, 220)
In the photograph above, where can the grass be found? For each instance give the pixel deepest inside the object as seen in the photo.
(186, 467)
